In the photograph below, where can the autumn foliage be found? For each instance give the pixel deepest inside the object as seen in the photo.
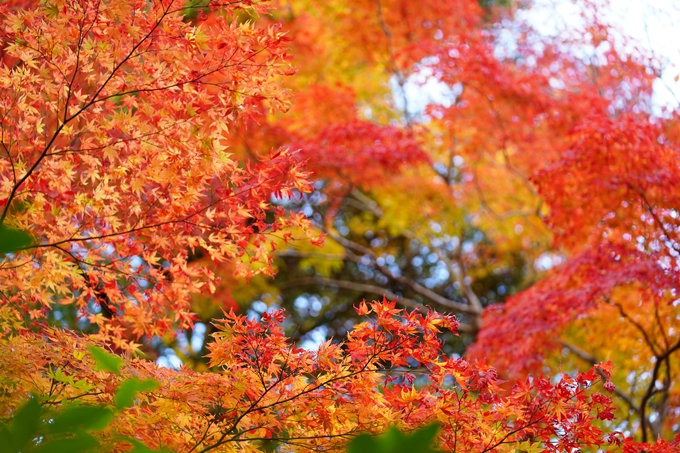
(169, 163)
(112, 142)
(264, 388)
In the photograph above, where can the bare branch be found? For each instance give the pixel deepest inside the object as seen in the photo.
(419, 289)
(363, 287)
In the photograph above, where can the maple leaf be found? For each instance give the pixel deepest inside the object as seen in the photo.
(363, 309)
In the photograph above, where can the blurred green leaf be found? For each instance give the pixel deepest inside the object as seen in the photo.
(87, 418)
(6, 438)
(82, 384)
(12, 239)
(79, 443)
(65, 430)
(125, 396)
(364, 444)
(25, 424)
(105, 361)
(393, 441)
(139, 447)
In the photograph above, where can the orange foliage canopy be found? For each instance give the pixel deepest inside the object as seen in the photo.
(553, 153)
(611, 190)
(138, 136)
(112, 127)
(264, 389)
(613, 202)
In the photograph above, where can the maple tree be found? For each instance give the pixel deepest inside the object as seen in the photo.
(551, 139)
(113, 123)
(154, 160)
(377, 174)
(265, 390)
(621, 281)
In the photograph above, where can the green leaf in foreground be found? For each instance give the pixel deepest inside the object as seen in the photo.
(25, 424)
(125, 396)
(139, 447)
(393, 441)
(79, 443)
(87, 418)
(12, 239)
(105, 361)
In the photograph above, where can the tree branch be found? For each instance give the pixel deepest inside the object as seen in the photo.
(363, 287)
(592, 360)
(413, 285)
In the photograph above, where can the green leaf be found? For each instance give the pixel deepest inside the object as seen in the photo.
(6, 438)
(395, 442)
(125, 396)
(82, 384)
(87, 418)
(51, 10)
(528, 447)
(364, 444)
(422, 439)
(105, 361)
(25, 424)
(139, 447)
(59, 376)
(80, 443)
(12, 240)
